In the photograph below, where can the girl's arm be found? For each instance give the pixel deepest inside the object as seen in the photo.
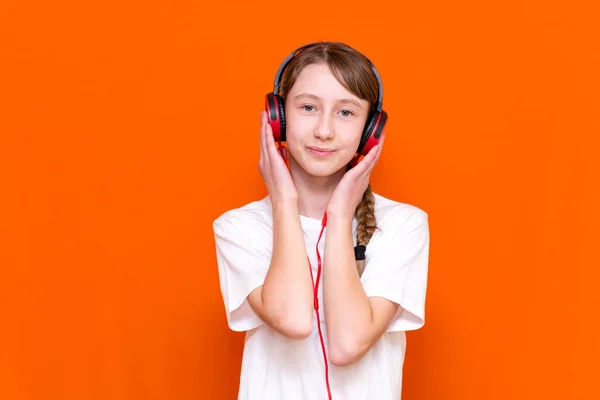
(354, 322)
(285, 300)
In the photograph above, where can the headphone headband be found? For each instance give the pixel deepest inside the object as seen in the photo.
(288, 59)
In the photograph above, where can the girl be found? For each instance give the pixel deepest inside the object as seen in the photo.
(322, 274)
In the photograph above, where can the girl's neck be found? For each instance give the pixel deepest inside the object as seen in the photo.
(313, 192)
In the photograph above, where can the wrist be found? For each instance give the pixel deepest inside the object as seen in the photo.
(285, 206)
(339, 218)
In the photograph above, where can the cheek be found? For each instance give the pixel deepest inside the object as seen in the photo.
(351, 135)
(297, 127)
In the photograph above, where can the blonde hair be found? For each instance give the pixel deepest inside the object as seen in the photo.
(353, 71)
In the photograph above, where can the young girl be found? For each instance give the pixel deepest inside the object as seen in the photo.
(323, 275)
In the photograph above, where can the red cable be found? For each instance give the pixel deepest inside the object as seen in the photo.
(316, 303)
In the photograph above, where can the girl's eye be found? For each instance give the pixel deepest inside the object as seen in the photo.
(307, 107)
(347, 113)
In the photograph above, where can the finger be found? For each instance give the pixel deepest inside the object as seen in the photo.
(265, 126)
(271, 147)
(261, 136)
(371, 159)
(261, 155)
(382, 139)
(276, 154)
(380, 149)
(284, 154)
(361, 166)
(354, 162)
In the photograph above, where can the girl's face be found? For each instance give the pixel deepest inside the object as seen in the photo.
(324, 121)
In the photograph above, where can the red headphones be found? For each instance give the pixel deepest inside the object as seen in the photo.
(275, 107)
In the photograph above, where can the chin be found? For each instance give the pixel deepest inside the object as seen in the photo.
(322, 169)
(320, 172)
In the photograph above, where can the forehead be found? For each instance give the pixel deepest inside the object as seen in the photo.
(318, 79)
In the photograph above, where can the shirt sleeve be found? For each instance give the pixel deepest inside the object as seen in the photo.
(243, 259)
(397, 268)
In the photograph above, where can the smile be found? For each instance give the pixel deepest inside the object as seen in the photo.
(320, 152)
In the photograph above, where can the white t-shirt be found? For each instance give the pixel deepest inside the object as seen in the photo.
(278, 368)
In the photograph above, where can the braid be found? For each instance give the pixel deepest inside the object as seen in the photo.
(367, 224)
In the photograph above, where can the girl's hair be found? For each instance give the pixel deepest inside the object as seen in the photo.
(353, 71)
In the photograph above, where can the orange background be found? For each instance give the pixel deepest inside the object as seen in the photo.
(126, 128)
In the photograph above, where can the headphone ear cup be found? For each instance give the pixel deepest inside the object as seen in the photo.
(372, 132)
(272, 109)
(281, 105)
(367, 131)
(275, 114)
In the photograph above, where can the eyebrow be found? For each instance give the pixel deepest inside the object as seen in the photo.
(312, 96)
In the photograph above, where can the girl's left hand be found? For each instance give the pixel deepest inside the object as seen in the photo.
(349, 191)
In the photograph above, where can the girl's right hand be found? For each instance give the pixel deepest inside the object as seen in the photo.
(273, 168)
